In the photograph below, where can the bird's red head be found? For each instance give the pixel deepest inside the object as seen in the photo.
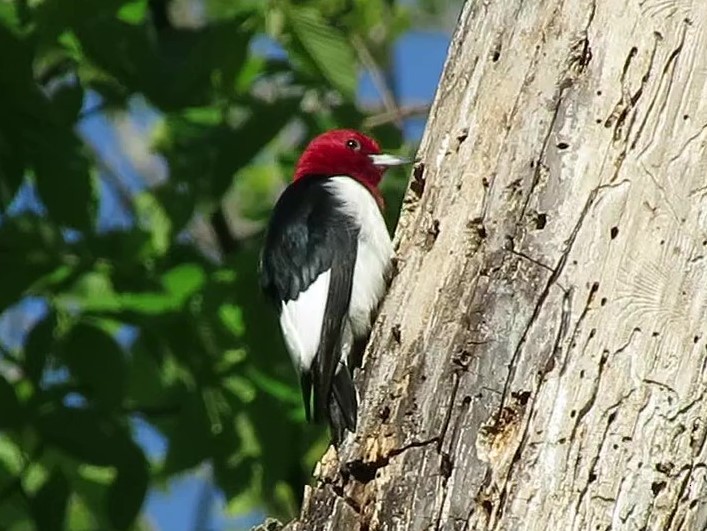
(346, 152)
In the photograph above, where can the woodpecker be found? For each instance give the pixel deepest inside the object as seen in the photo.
(325, 265)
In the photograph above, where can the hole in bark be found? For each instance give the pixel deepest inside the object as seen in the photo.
(522, 397)
(418, 182)
(598, 120)
(432, 234)
(695, 339)
(612, 417)
(496, 55)
(532, 164)
(541, 221)
(563, 440)
(562, 145)
(395, 331)
(484, 182)
(364, 472)
(592, 477)
(592, 333)
(598, 92)
(685, 117)
(445, 466)
(614, 232)
(664, 468)
(384, 413)
(657, 487)
(466, 401)
(603, 301)
(655, 334)
(581, 373)
(488, 506)
(616, 446)
(573, 413)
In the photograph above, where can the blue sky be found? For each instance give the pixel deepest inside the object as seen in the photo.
(419, 57)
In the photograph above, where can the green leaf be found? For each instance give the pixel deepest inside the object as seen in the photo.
(263, 124)
(12, 167)
(153, 218)
(39, 342)
(127, 492)
(10, 411)
(96, 360)
(189, 435)
(324, 47)
(232, 318)
(29, 250)
(83, 434)
(133, 12)
(49, 504)
(67, 101)
(183, 281)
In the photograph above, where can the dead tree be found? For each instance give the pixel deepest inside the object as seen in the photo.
(539, 362)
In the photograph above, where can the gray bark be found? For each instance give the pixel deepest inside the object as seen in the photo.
(539, 361)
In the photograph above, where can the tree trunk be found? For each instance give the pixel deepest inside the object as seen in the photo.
(539, 361)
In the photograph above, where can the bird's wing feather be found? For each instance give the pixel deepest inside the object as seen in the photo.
(337, 304)
(307, 269)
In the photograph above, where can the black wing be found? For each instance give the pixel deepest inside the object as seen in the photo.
(310, 233)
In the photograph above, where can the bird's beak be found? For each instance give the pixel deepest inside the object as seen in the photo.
(384, 160)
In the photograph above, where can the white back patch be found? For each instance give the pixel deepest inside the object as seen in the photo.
(301, 322)
(375, 251)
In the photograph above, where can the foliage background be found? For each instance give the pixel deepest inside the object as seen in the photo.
(142, 144)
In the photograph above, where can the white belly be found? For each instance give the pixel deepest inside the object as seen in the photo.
(375, 251)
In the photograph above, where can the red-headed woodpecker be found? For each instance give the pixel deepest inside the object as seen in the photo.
(325, 264)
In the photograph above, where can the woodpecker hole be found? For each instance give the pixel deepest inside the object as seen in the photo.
(418, 179)
(614, 232)
(540, 221)
(395, 331)
(462, 136)
(384, 413)
(521, 397)
(562, 145)
(657, 487)
(445, 466)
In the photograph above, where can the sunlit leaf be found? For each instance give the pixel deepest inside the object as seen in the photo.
(154, 220)
(183, 281)
(133, 12)
(325, 47)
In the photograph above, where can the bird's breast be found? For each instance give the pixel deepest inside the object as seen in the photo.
(373, 256)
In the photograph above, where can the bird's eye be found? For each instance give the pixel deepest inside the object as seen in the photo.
(353, 144)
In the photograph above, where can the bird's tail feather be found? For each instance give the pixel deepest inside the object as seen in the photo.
(343, 404)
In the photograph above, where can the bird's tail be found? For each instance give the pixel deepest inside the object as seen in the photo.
(343, 404)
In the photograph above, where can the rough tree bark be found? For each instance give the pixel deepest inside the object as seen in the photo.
(539, 362)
